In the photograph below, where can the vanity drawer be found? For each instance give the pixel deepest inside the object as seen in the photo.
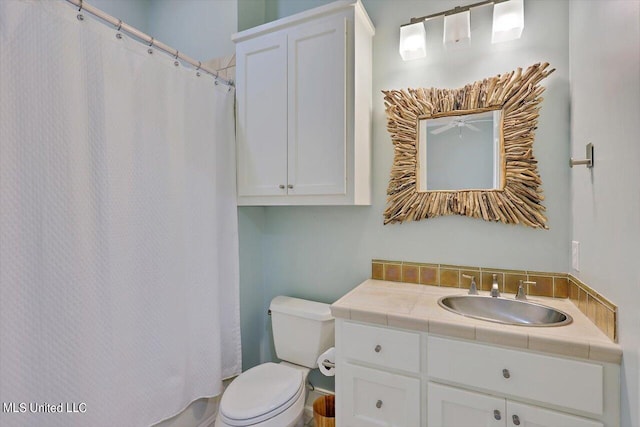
(562, 382)
(377, 398)
(384, 347)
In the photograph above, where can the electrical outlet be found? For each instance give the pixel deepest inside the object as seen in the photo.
(575, 255)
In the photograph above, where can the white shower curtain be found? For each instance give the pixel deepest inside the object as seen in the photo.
(118, 226)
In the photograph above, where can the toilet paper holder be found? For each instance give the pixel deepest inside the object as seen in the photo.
(328, 364)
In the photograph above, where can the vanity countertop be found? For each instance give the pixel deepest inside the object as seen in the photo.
(415, 307)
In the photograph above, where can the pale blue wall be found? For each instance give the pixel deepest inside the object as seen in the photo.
(133, 12)
(252, 13)
(322, 252)
(605, 86)
(200, 28)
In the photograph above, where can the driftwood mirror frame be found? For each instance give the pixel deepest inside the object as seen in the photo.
(517, 94)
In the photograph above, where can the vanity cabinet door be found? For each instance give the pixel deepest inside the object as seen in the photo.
(261, 74)
(374, 398)
(454, 407)
(532, 416)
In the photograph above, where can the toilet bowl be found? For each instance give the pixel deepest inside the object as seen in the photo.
(274, 394)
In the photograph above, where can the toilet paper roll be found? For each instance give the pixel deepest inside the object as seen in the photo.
(326, 358)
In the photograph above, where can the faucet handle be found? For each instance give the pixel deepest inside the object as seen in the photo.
(473, 289)
(522, 293)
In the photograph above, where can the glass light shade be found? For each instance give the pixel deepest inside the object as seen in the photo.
(413, 41)
(457, 30)
(508, 21)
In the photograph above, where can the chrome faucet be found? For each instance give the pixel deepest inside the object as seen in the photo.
(473, 289)
(495, 290)
(522, 294)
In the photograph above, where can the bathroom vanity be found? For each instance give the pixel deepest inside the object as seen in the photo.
(402, 360)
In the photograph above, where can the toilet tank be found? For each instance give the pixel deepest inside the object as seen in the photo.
(302, 330)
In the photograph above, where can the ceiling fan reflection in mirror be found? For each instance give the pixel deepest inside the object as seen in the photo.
(459, 123)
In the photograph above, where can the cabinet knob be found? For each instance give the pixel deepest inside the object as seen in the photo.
(516, 420)
(497, 415)
(506, 373)
(378, 348)
(290, 186)
(379, 404)
(281, 186)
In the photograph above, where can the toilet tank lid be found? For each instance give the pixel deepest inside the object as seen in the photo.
(302, 308)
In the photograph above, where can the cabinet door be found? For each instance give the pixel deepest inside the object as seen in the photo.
(532, 416)
(261, 73)
(374, 398)
(317, 130)
(454, 407)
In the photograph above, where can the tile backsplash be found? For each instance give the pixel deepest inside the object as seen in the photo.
(601, 311)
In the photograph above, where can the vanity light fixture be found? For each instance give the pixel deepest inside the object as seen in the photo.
(457, 29)
(413, 41)
(508, 22)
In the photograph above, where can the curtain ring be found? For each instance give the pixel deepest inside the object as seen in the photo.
(80, 8)
(199, 65)
(119, 25)
(151, 42)
(177, 54)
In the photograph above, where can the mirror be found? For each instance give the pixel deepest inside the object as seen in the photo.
(495, 180)
(460, 152)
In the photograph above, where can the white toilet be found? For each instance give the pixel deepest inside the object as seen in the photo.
(273, 394)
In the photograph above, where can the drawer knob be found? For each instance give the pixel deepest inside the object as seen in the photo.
(516, 420)
(290, 186)
(281, 186)
(497, 415)
(378, 348)
(379, 404)
(506, 373)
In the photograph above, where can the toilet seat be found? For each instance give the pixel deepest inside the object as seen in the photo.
(261, 393)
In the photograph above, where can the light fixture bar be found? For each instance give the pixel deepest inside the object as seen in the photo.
(455, 10)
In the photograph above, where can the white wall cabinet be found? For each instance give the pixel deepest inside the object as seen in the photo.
(420, 379)
(304, 109)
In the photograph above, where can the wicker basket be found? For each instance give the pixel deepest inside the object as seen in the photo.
(324, 411)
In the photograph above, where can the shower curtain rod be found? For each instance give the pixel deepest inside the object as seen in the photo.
(121, 26)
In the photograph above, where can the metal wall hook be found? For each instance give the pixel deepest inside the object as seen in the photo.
(80, 6)
(151, 42)
(588, 161)
(119, 27)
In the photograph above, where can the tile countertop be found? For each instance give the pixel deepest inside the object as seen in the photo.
(415, 307)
